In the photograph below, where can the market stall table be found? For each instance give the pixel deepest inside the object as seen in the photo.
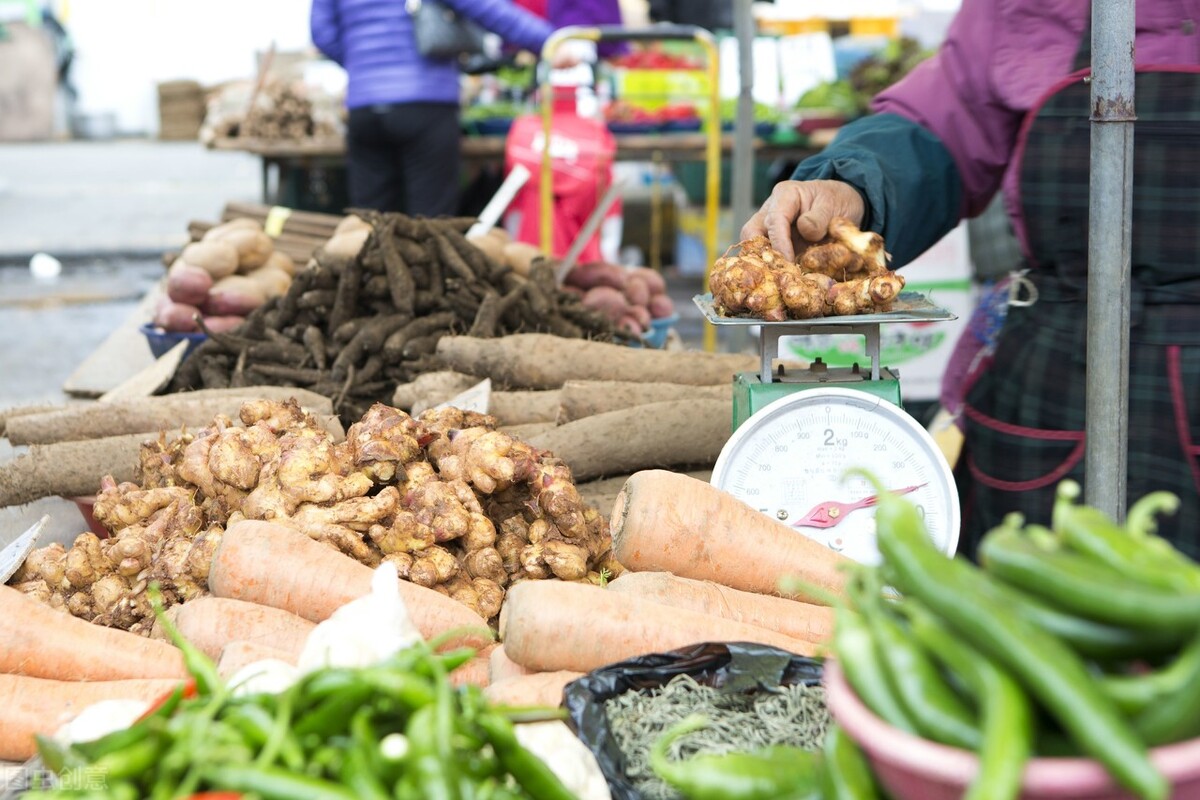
(281, 160)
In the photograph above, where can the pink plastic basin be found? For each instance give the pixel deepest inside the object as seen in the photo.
(912, 768)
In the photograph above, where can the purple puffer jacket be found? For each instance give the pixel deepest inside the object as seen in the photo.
(998, 59)
(373, 40)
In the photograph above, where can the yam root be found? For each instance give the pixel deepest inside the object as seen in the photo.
(542, 361)
(534, 689)
(580, 399)
(98, 420)
(666, 522)
(212, 623)
(239, 654)
(540, 631)
(640, 437)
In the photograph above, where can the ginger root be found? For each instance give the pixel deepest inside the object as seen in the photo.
(845, 273)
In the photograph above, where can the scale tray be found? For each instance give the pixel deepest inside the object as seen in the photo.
(908, 307)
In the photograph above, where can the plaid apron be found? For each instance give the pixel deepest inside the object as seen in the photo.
(1024, 412)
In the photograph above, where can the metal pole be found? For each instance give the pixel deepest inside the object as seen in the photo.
(742, 194)
(1109, 223)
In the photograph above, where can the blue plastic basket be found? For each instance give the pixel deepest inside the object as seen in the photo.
(161, 341)
(656, 337)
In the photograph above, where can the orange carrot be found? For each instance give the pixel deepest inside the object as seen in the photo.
(502, 667)
(664, 521)
(42, 642)
(552, 625)
(534, 689)
(210, 623)
(30, 706)
(789, 617)
(236, 655)
(274, 565)
(475, 671)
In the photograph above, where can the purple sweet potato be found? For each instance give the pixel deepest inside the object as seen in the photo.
(607, 300)
(236, 295)
(653, 279)
(597, 273)
(661, 306)
(176, 317)
(637, 291)
(187, 283)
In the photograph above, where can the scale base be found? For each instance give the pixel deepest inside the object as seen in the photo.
(750, 393)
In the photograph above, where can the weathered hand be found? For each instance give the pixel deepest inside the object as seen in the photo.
(798, 212)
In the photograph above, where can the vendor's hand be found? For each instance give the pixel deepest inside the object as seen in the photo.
(798, 212)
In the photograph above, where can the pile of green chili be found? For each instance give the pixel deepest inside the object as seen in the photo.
(1078, 638)
(397, 730)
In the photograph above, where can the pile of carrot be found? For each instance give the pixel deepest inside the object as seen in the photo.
(703, 567)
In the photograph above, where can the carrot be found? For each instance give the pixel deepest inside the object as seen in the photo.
(239, 654)
(38, 641)
(273, 565)
(534, 689)
(789, 617)
(210, 623)
(31, 706)
(475, 671)
(501, 667)
(668, 522)
(552, 625)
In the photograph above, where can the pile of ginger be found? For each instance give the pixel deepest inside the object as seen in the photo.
(455, 504)
(846, 273)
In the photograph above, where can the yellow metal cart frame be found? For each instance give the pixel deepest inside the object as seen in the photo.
(656, 33)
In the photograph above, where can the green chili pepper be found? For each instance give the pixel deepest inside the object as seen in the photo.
(1005, 710)
(360, 778)
(858, 655)
(333, 713)
(1091, 532)
(281, 730)
(274, 783)
(1175, 714)
(847, 775)
(57, 756)
(131, 762)
(430, 773)
(961, 596)
(774, 773)
(1134, 694)
(199, 666)
(531, 773)
(1140, 520)
(1082, 586)
(935, 710)
(410, 689)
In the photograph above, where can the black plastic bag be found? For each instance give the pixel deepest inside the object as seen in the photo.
(722, 664)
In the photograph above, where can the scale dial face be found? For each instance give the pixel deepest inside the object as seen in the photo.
(790, 458)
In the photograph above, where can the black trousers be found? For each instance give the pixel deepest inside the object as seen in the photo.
(404, 157)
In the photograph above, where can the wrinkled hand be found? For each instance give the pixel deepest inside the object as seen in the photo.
(798, 212)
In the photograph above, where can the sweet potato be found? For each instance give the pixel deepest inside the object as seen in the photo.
(223, 323)
(272, 280)
(176, 317)
(236, 295)
(218, 258)
(235, 224)
(351, 222)
(39, 706)
(661, 306)
(520, 256)
(253, 246)
(187, 283)
(668, 522)
(630, 325)
(653, 278)
(492, 247)
(637, 291)
(501, 667)
(610, 302)
(540, 628)
(236, 655)
(591, 274)
(542, 361)
(42, 642)
(641, 315)
(281, 260)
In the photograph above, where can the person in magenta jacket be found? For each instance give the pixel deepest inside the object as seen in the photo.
(1004, 105)
(402, 142)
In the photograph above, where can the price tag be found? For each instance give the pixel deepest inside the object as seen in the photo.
(276, 217)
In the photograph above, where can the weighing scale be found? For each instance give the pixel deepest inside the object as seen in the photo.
(796, 433)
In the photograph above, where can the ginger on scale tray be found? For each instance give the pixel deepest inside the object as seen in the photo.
(845, 273)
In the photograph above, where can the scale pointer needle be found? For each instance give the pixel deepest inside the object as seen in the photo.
(831, 512)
